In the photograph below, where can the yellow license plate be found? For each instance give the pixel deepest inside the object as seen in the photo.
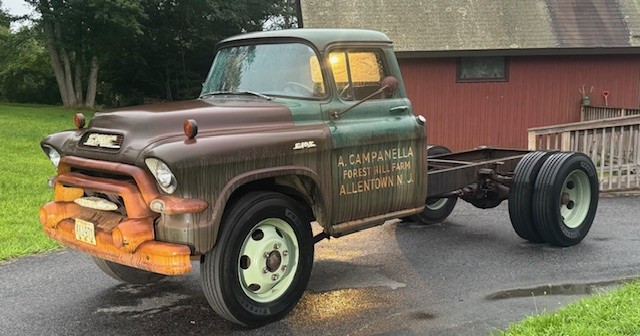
(85, 231)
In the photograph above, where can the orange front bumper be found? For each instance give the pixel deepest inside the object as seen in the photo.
(153, 256)
(125, 240)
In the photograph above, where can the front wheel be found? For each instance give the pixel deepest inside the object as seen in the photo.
(262, 260)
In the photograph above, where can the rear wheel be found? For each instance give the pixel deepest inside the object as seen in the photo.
(521, 195)
(565, 198)
(127, 274)
(435, 210)
(262, 260)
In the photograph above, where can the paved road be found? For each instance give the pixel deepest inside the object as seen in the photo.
(470, 275)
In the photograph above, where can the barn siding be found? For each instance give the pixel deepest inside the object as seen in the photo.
(541, 91)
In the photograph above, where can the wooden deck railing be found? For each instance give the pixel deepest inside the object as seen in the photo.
(588, 113)
(613, 145)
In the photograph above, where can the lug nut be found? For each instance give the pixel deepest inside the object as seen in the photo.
(274, 277)
(284, 268)
(276, 246)
(265, 270)
(266, 254)
(285, 253)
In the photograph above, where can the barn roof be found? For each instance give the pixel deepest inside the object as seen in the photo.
(508, 26)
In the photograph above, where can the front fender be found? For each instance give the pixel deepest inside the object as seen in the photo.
(214, 167)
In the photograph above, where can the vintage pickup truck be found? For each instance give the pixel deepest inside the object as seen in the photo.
(292, 127)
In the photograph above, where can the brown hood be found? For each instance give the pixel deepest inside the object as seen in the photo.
(142, 126)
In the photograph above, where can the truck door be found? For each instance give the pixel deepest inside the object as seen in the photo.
(378, 147)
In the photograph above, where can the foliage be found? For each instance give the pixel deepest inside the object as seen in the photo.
(5, 19)
(23, 177)
(171, 58)
(284, 15)
(78, 35)
(614, 313)
(25, 74)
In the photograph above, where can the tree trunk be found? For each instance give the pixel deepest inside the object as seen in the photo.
(92, 83)
(68, 81)
(167, 86)
(78, 80)
(55, 62)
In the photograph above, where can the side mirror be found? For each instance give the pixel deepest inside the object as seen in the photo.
(389, 85)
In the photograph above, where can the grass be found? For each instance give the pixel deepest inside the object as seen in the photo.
(611, 314)
(24, 174)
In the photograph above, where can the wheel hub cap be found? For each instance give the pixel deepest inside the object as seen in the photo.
(268, 260)
(575, 199)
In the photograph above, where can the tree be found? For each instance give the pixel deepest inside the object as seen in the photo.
(5, 19)
(78, 33)
(25, 73)
(25, 76)
(285, 15)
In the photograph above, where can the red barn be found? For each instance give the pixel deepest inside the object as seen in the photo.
(483, 71)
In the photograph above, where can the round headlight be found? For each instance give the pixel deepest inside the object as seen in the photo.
(165, 178)
(163, 174)
(53, 155)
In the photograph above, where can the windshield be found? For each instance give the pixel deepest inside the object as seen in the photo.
(285, 69)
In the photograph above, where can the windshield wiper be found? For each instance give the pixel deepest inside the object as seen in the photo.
(243, 92)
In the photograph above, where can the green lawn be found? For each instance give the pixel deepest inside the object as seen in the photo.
(610, 314)
(24, 174)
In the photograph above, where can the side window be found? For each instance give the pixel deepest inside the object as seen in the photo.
(357, 73)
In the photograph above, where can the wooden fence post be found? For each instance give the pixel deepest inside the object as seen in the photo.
(531, 140)
(565, 141)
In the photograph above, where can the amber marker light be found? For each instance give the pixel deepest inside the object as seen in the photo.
(190, 128)
(79, 120)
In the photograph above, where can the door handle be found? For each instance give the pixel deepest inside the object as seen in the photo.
(400, 108)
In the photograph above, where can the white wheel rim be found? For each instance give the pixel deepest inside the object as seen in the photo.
(575, 199)
(268, 260)
(433, 206)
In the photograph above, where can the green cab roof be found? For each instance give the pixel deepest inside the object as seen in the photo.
(320, 38)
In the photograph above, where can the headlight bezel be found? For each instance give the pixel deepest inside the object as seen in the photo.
(53, 155)
(165, 179)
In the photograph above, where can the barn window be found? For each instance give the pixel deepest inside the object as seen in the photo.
(482, 69)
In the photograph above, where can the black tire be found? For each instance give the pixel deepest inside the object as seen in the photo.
(565, 198)
(435, 211)
(127, 274)
(437, 150)
(265, 226)
(521, 195)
